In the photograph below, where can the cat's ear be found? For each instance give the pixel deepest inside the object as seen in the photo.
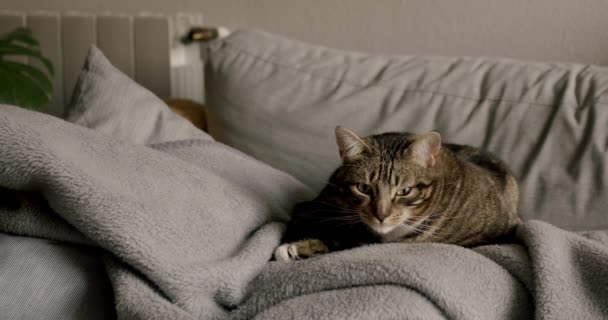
(351, 146)
(425, 148)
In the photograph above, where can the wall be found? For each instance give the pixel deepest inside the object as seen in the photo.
(558, 30)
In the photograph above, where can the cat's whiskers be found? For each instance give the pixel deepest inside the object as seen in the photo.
(335, 214)
(347, 223)
(442, 218)
(344, 220)
(423, 231)
(334, 205)
(410, 228)
(434, 232)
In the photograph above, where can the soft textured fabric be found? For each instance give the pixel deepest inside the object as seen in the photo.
(45, 279)
(69, 282)
(280, 100)
(107, 100)
(186, 225)
(553, 274)
(187, 229)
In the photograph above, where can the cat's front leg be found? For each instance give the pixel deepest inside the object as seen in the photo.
(300, 250)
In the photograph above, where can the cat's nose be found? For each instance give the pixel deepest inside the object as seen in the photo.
(382, 209)
(380, 216)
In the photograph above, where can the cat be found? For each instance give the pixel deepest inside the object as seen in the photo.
(404, 187)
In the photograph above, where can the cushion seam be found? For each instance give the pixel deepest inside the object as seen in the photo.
(237, 49)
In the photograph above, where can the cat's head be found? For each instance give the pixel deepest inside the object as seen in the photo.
(388, 178)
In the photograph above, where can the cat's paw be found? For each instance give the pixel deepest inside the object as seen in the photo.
(286, 252)
(299, 250)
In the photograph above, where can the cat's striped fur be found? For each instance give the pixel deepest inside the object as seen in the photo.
(402, 187)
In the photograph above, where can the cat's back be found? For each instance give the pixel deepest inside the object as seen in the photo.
(480, 158)
(494, 168)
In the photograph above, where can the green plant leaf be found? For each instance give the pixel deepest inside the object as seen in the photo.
(23, 35)
(13, 49)
(21, 92)
(6, 89)
(10, 49)
(29, 71)
(23, 85)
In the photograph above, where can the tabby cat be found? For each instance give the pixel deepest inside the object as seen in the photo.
(403, 187)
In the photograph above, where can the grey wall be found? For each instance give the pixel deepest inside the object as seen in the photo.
(559, 30)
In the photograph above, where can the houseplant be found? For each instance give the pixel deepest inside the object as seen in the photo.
(22, 84)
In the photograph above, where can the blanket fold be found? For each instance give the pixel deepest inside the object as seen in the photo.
(188, 228)
(195, 220)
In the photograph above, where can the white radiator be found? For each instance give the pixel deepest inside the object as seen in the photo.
(145, 47)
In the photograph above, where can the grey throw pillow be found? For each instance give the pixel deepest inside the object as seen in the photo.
(107, 100)
(280, 100)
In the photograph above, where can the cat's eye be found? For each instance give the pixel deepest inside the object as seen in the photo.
(364, 188)
(404, 191)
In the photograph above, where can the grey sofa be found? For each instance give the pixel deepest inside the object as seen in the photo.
(272, 105)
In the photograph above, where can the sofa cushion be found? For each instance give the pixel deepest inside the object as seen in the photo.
(280, 100)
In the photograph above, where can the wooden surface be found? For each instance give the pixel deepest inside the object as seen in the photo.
(190, 110)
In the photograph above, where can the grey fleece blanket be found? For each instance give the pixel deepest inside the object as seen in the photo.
(188, 228)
